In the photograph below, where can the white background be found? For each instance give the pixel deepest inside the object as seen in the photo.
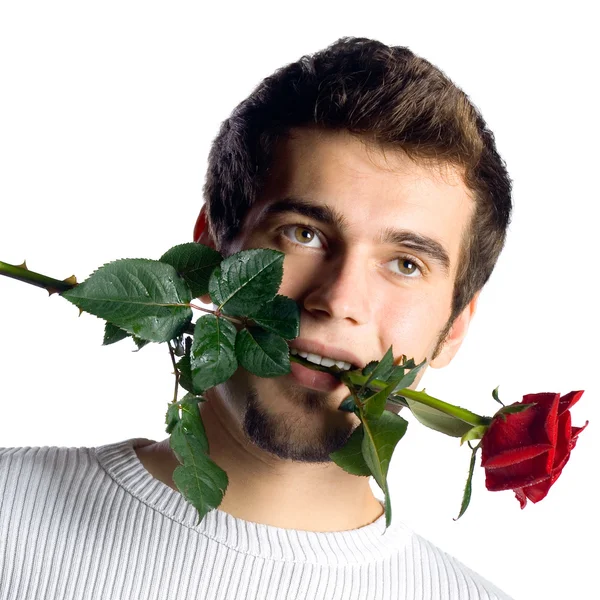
(107, 112)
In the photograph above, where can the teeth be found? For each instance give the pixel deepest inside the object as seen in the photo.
(327, 362)
(314, 358)
(321, 360)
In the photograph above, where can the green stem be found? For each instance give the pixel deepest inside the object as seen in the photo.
(356, 379)
(24, 274)
(218, 313)
(175, 371)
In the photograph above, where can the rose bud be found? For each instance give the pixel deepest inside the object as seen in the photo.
(526, 451)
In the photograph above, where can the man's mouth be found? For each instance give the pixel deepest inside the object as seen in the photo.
(323, 361)
(322, 380)
(330, 357)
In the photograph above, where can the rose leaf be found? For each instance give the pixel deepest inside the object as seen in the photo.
(380, 438)
(246, 280)
(194, 263)
(350, 457)
(113, 334)
(212, 358)
(199, 479)
(437, 420)
(144, 297)
(468, 485)
(280, 315)
(261, 352)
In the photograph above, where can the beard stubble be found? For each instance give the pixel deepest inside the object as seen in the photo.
(293, 437)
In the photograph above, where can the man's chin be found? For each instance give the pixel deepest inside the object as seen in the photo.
(308, 435)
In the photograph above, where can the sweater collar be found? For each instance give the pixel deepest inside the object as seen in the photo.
(371, 543)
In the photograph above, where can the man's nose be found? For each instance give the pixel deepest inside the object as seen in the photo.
(340, 290)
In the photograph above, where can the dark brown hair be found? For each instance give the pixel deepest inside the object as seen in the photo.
(387, 95)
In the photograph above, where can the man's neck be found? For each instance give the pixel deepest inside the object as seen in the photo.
(266, 489)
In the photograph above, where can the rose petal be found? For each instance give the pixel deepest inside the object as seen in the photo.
(568, 400)
(539, 491)
(551, 428)
(576, 431)
(496, 480)
(507, 434)
(516, 455)
(521, 497)
(563, 443)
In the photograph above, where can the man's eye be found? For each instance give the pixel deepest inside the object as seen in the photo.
(407, 267)
(301, 235)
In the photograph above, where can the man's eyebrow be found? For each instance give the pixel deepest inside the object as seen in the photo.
(421, 243)
(318, 212)
(395, 237)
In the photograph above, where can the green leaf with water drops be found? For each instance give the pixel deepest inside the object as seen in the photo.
(172, 417)
(191, 424)
(263, 353)
(381, 435)
(140, 343)
(194, 263)
(246, 280)
(212, 358)
(350, 457)
(185, 373)
(113, 334)
(280, 315)
(199, 479)
(144, 297)
(191, 398)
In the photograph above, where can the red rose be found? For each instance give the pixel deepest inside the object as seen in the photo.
(526, 451)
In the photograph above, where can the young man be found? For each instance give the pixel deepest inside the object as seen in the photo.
(379, 181)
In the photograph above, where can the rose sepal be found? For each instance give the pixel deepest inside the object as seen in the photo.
(475, 433)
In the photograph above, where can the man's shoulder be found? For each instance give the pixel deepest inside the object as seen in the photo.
(448, 576)
(32, 457)
(30, 465)
(26, 465)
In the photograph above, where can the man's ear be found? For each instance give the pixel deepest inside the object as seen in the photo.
(202, 236)
(456, 335)
(201, 233)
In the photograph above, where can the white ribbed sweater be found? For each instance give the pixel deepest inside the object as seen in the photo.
(92, 523)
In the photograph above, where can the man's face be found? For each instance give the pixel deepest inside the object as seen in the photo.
(371, 243)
